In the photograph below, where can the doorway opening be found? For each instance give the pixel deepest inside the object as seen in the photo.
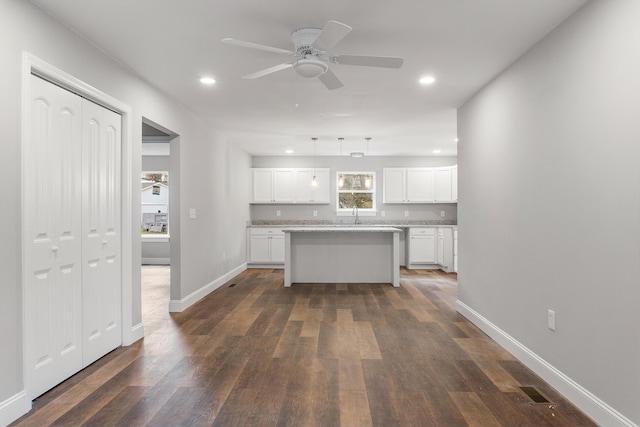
(156, 222)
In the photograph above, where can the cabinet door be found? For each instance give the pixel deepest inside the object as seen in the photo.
(454, 183)
(422, 246)
(393, 185)
(262, 185)
(443, 191)
(322, 192)
(420, 185)
(283, 185)
(259, 250)
(440, 259)
(277, 249)
(305, 191)
(303, 187)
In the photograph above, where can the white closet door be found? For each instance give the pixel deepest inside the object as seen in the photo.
(101, 288)
(52, 236)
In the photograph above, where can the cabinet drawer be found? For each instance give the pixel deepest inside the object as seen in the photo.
(422, 231)
(266, 231)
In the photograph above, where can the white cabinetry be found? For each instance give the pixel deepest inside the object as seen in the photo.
(422, 246)
(305, 192)
(443, 190)
(455, 250)
(454, 183)
(419, 185)
(290, 185)
(430, 248)
(266, 246)
(273, 185)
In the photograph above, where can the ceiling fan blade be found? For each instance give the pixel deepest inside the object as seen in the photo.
(258, 46)
(368, 61)
(330, 80)
(330, 35)
(267, 71)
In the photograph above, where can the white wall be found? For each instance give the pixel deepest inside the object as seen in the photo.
(204, 156)
(376, 164)
(549, 212)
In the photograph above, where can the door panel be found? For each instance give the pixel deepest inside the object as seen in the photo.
(101, 299)
(52, 227)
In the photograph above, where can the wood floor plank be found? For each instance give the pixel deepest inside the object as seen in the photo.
(337, 354)
(473, 410)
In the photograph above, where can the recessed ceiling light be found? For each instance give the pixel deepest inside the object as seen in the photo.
(456, 139)
(289, 151)
(207, 80)
(437, 151)
(427, 80)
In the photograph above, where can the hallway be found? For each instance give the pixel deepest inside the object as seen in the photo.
(253, 353)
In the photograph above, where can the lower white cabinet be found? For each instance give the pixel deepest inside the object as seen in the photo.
(266, 246)
(430, 247)
(422, 245)
(455, 250)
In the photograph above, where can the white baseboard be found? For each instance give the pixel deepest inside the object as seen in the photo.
(176, 306)
(156, 261)
(599, 411)
(137, 333)
(13, 408)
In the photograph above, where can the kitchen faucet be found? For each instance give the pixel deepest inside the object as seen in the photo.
(355, 212)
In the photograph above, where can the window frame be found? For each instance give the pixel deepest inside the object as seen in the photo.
(361, 211)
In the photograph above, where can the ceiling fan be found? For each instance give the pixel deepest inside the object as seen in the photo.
(310, 53)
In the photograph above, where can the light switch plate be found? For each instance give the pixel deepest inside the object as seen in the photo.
(192, 213)
(551, 320)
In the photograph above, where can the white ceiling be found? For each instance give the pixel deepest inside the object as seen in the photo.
(462, 43)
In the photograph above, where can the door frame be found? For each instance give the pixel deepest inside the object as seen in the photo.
(33, 65)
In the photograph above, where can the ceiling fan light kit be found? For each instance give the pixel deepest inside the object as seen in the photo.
(310, 48)
(310, 67)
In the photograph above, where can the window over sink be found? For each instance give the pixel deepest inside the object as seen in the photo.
(356, 190)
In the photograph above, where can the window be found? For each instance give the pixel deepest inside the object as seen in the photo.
(356, 189)
(155, 203)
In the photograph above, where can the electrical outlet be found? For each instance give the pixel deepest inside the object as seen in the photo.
(383, 213)
(224, 255)
(315, 213)
(406, 213)
(277, 213)
(551, 320)
(192, 213)
(442, 214)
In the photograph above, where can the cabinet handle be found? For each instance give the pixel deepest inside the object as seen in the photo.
(54, 248)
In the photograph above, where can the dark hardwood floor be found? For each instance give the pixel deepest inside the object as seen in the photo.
(259, 354)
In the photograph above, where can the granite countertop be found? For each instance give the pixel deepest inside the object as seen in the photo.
(364, 223)
(346, 229)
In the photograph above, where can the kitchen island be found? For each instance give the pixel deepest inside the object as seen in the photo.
(342, 254)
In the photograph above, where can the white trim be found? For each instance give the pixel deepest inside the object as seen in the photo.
(13, 408)
(137, 332)
(156, 261)
(177, 306)
(33, 65)
(155, 238)
(594, 407)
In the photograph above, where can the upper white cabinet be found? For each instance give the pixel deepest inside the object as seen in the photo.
(454, 183)
(273, 185)
(419, 188)
(420, 185)
(306, 192)
(290, 185)
(443, 191)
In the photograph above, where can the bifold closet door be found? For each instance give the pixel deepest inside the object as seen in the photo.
(101, 263)
(53, 242)
(72, 235)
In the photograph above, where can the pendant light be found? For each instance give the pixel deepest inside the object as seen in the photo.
(367, 180)
(341, 177)
(314, 180)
